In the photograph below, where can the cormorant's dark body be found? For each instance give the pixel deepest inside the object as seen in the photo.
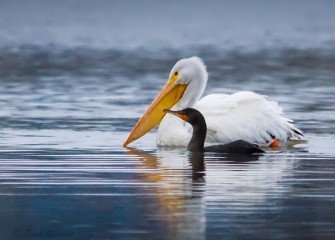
(196, 144)
(235, 147)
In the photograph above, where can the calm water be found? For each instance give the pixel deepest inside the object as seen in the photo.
(66, 110)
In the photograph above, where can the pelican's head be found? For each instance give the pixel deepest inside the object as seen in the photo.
(186, 83)
(192, 73)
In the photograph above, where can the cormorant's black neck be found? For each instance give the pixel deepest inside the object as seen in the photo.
(197, 141)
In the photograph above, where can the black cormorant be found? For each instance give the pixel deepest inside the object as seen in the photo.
(196, 144)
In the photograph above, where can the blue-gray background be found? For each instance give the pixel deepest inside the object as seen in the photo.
(165, 24)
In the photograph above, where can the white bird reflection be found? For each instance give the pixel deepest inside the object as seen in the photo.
(192, 189)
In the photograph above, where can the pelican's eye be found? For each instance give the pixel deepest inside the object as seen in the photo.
(174, 77)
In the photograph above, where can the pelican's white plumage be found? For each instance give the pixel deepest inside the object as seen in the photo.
(243, 115)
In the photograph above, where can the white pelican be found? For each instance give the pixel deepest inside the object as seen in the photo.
(242, 115)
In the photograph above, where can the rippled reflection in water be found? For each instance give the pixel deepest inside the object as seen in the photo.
(165, 194)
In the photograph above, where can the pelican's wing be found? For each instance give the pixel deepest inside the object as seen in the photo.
(245, 115)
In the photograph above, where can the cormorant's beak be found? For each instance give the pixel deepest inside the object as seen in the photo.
(170, 94)
(179, 114)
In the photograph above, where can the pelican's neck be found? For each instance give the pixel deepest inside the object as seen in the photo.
(193, 92)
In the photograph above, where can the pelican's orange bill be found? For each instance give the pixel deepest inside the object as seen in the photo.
(170, 94)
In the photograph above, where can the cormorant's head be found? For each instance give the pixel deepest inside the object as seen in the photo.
(189, 115)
